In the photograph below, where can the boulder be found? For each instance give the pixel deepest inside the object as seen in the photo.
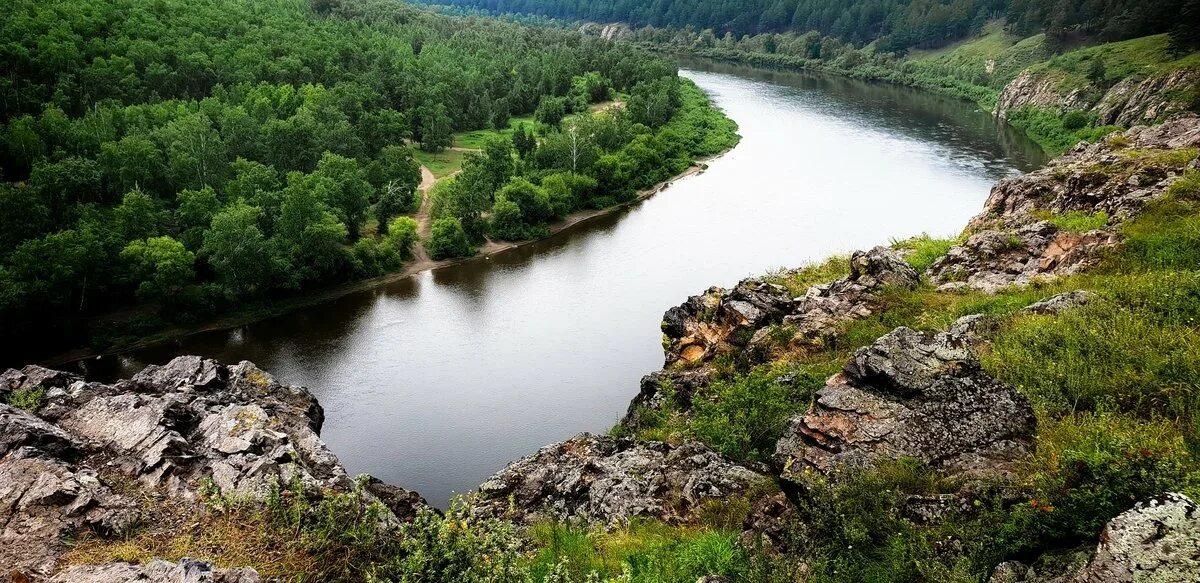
(608, 481)
(994, 259)
(720, 321)
(1157, 540)
(910, 395)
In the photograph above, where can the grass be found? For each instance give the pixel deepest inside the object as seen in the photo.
(921, 251)
(1075, 221)
(441, 164)
(797, 281)
(474, 140)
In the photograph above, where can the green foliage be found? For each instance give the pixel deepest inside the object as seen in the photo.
(1051, 130)
(29, 399)
(743, 417)
(162, 265)
(448, 240)
(191, 114)
(643, 552)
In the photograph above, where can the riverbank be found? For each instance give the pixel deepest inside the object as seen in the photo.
(316, 297)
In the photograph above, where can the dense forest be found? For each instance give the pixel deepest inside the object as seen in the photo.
(895, 24)
(182, 158)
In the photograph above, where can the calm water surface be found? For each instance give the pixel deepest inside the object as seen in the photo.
(437, 381)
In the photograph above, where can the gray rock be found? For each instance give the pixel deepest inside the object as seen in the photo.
(171, 430)
(665, 390)
(1060, 303)
(185, 571)
(910, 394)
(1011, 245)
(1157, 540)
(605, 480)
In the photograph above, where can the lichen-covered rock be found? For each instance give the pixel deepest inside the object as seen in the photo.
(606, 480)
(34, 377)
(910, 394)
(994, 259)
(1060, 303)
(185, 571)
(170, 430)
(720, 321)
(766, 525)
(1157, 540)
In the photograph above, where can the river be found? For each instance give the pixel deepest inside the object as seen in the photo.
(436, 381)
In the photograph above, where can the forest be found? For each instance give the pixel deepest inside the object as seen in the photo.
(896, 25)
(172, 160)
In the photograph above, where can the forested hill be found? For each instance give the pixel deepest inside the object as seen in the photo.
(179, 158)
(896, 24)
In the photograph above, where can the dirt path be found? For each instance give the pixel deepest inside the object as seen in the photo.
(422, 216)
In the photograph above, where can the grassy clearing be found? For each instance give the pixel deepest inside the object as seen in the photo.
(474, 140)
(441, 164)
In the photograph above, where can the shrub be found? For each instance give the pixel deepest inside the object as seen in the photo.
(448, 240)
(402, 234)
(743, 417)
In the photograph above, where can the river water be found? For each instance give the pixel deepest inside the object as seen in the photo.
(436, 381)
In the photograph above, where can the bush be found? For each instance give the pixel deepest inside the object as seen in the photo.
(402, 234)
(448, 240)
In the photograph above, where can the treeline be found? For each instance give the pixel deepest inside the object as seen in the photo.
(191, 155)
(515, 187)
(894, 25)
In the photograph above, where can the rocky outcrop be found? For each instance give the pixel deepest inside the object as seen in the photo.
(1130, 102)
(721, 321)
(910, 395)
(606, 480)
(1031, 89)
(665, 390)
(1157, 540)
(1011, 244)
(167, 431)
(995, 259)
(826, 307)
(725, 322)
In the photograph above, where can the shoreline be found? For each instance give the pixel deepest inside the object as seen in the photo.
(320, 296)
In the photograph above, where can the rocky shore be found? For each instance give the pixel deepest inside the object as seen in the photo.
(83, 457)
